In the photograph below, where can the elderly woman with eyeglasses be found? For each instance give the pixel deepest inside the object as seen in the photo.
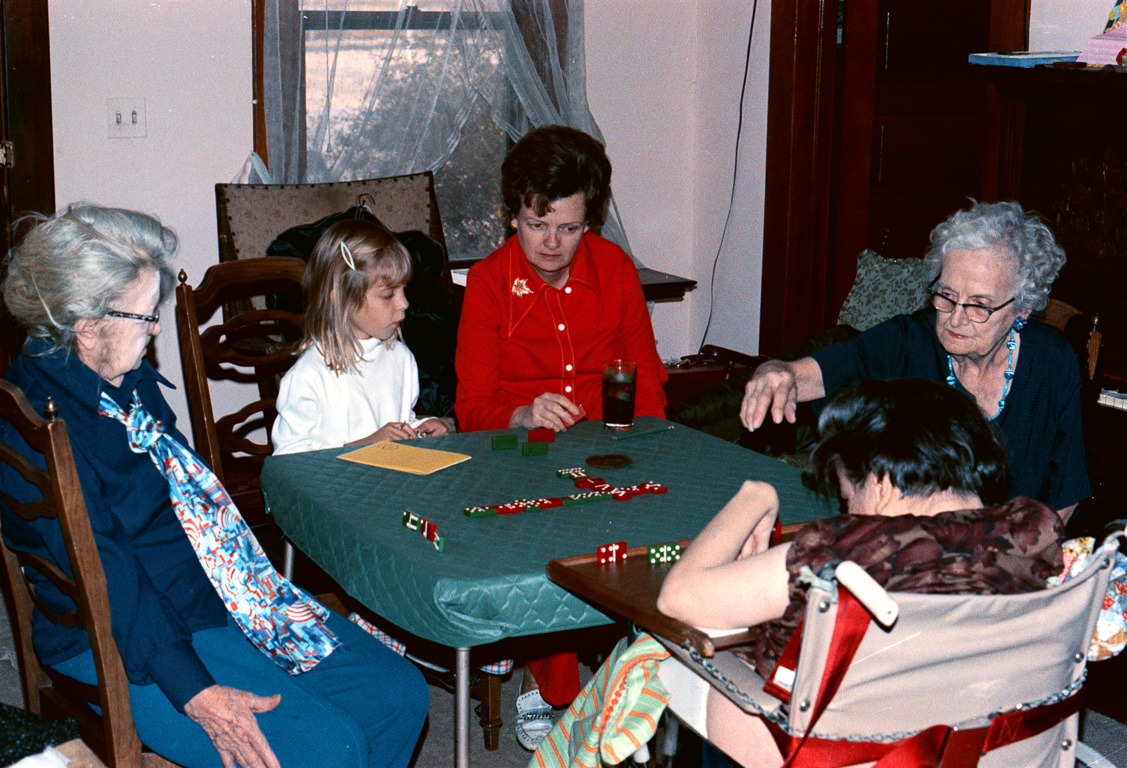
(989, 268)
(227, 661)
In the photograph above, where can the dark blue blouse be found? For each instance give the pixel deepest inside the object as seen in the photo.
(1041, 423)
(159, 594)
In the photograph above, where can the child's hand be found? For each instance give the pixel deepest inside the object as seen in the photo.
(435, 427)
(393, 430)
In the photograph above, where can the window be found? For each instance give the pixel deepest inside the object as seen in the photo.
(370, 88)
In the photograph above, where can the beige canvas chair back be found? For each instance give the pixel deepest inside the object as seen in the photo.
(250, 216)
(947, 659)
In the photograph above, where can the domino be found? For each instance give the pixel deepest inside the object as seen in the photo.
(611, 553)
(664, 553)
(534, 449)
(427, 528)
(504, 442)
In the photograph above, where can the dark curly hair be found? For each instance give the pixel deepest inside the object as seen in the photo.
(553, 162)
(926, 437)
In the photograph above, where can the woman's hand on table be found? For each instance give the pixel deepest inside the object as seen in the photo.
(548, 410)
(227, 716)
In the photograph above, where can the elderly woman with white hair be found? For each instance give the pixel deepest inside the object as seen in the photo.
(989, 268)
(228, 662)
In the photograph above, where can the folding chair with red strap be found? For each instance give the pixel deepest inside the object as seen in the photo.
(952, 681)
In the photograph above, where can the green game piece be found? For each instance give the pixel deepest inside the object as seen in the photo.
(664, 553)
(480, 511)
(533, 449)
(504, 442)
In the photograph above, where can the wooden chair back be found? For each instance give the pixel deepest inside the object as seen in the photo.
(250, 216)
(1082, 331)
(256, 346)
(111, 735)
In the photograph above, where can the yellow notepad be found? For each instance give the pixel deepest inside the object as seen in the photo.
(404, 457)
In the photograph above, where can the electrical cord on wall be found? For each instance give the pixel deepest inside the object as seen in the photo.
(735, 172)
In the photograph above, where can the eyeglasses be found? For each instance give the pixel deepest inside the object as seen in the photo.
(152, 319)
(976, 313)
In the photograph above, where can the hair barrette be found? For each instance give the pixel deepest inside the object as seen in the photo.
(346, 254)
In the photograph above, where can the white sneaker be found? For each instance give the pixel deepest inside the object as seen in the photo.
(534, 719)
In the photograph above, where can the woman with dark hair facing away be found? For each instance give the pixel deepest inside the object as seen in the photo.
(541, 315)
(989, 268)
(923, 477)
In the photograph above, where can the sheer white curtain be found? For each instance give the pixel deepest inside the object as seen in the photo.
(370, 88)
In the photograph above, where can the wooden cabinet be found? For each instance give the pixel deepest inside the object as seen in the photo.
(1057, 142)
(875, 133)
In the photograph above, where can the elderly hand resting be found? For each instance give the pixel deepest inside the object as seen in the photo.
(548, 410)
(779, 387)
(227, 716)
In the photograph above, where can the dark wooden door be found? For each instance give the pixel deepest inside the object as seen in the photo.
(876, 130)
(27, 180)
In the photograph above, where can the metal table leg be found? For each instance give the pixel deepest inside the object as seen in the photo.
(462, 708)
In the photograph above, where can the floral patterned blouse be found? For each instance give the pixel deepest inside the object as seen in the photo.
(1008, 549)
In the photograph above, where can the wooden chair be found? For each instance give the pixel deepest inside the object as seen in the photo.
(255, 347)
(110, 734)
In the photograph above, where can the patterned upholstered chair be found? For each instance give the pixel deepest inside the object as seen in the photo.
(250, 216)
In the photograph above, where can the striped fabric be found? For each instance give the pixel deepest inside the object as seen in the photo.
(282, 620)
(613, 715)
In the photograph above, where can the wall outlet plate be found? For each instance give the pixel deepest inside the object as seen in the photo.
(125, 118)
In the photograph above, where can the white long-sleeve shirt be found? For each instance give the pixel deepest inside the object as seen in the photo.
(318, 408)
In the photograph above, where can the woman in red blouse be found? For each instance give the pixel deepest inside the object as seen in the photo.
(546, 309)
(540, 316)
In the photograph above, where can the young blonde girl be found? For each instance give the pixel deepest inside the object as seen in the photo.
(356, 382)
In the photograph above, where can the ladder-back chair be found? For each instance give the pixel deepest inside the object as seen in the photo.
(253, 347)
(110, 734)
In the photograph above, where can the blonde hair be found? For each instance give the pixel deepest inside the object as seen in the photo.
(350, 257)
(75, 263)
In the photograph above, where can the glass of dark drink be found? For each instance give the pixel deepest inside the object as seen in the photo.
(618, 393)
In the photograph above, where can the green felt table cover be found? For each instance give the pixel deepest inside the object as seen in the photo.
(490, 582)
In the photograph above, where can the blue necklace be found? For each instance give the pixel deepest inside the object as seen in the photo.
(1009, 374)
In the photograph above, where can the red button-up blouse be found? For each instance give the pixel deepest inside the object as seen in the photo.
(519, 337)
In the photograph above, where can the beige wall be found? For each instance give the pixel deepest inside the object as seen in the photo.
(1066, 25)
(664, 79)
(191, 62)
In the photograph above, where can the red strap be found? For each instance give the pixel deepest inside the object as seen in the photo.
(849, 628)
(788, 661)
(940, 746)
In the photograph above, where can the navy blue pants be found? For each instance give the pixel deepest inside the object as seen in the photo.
(361, 707)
